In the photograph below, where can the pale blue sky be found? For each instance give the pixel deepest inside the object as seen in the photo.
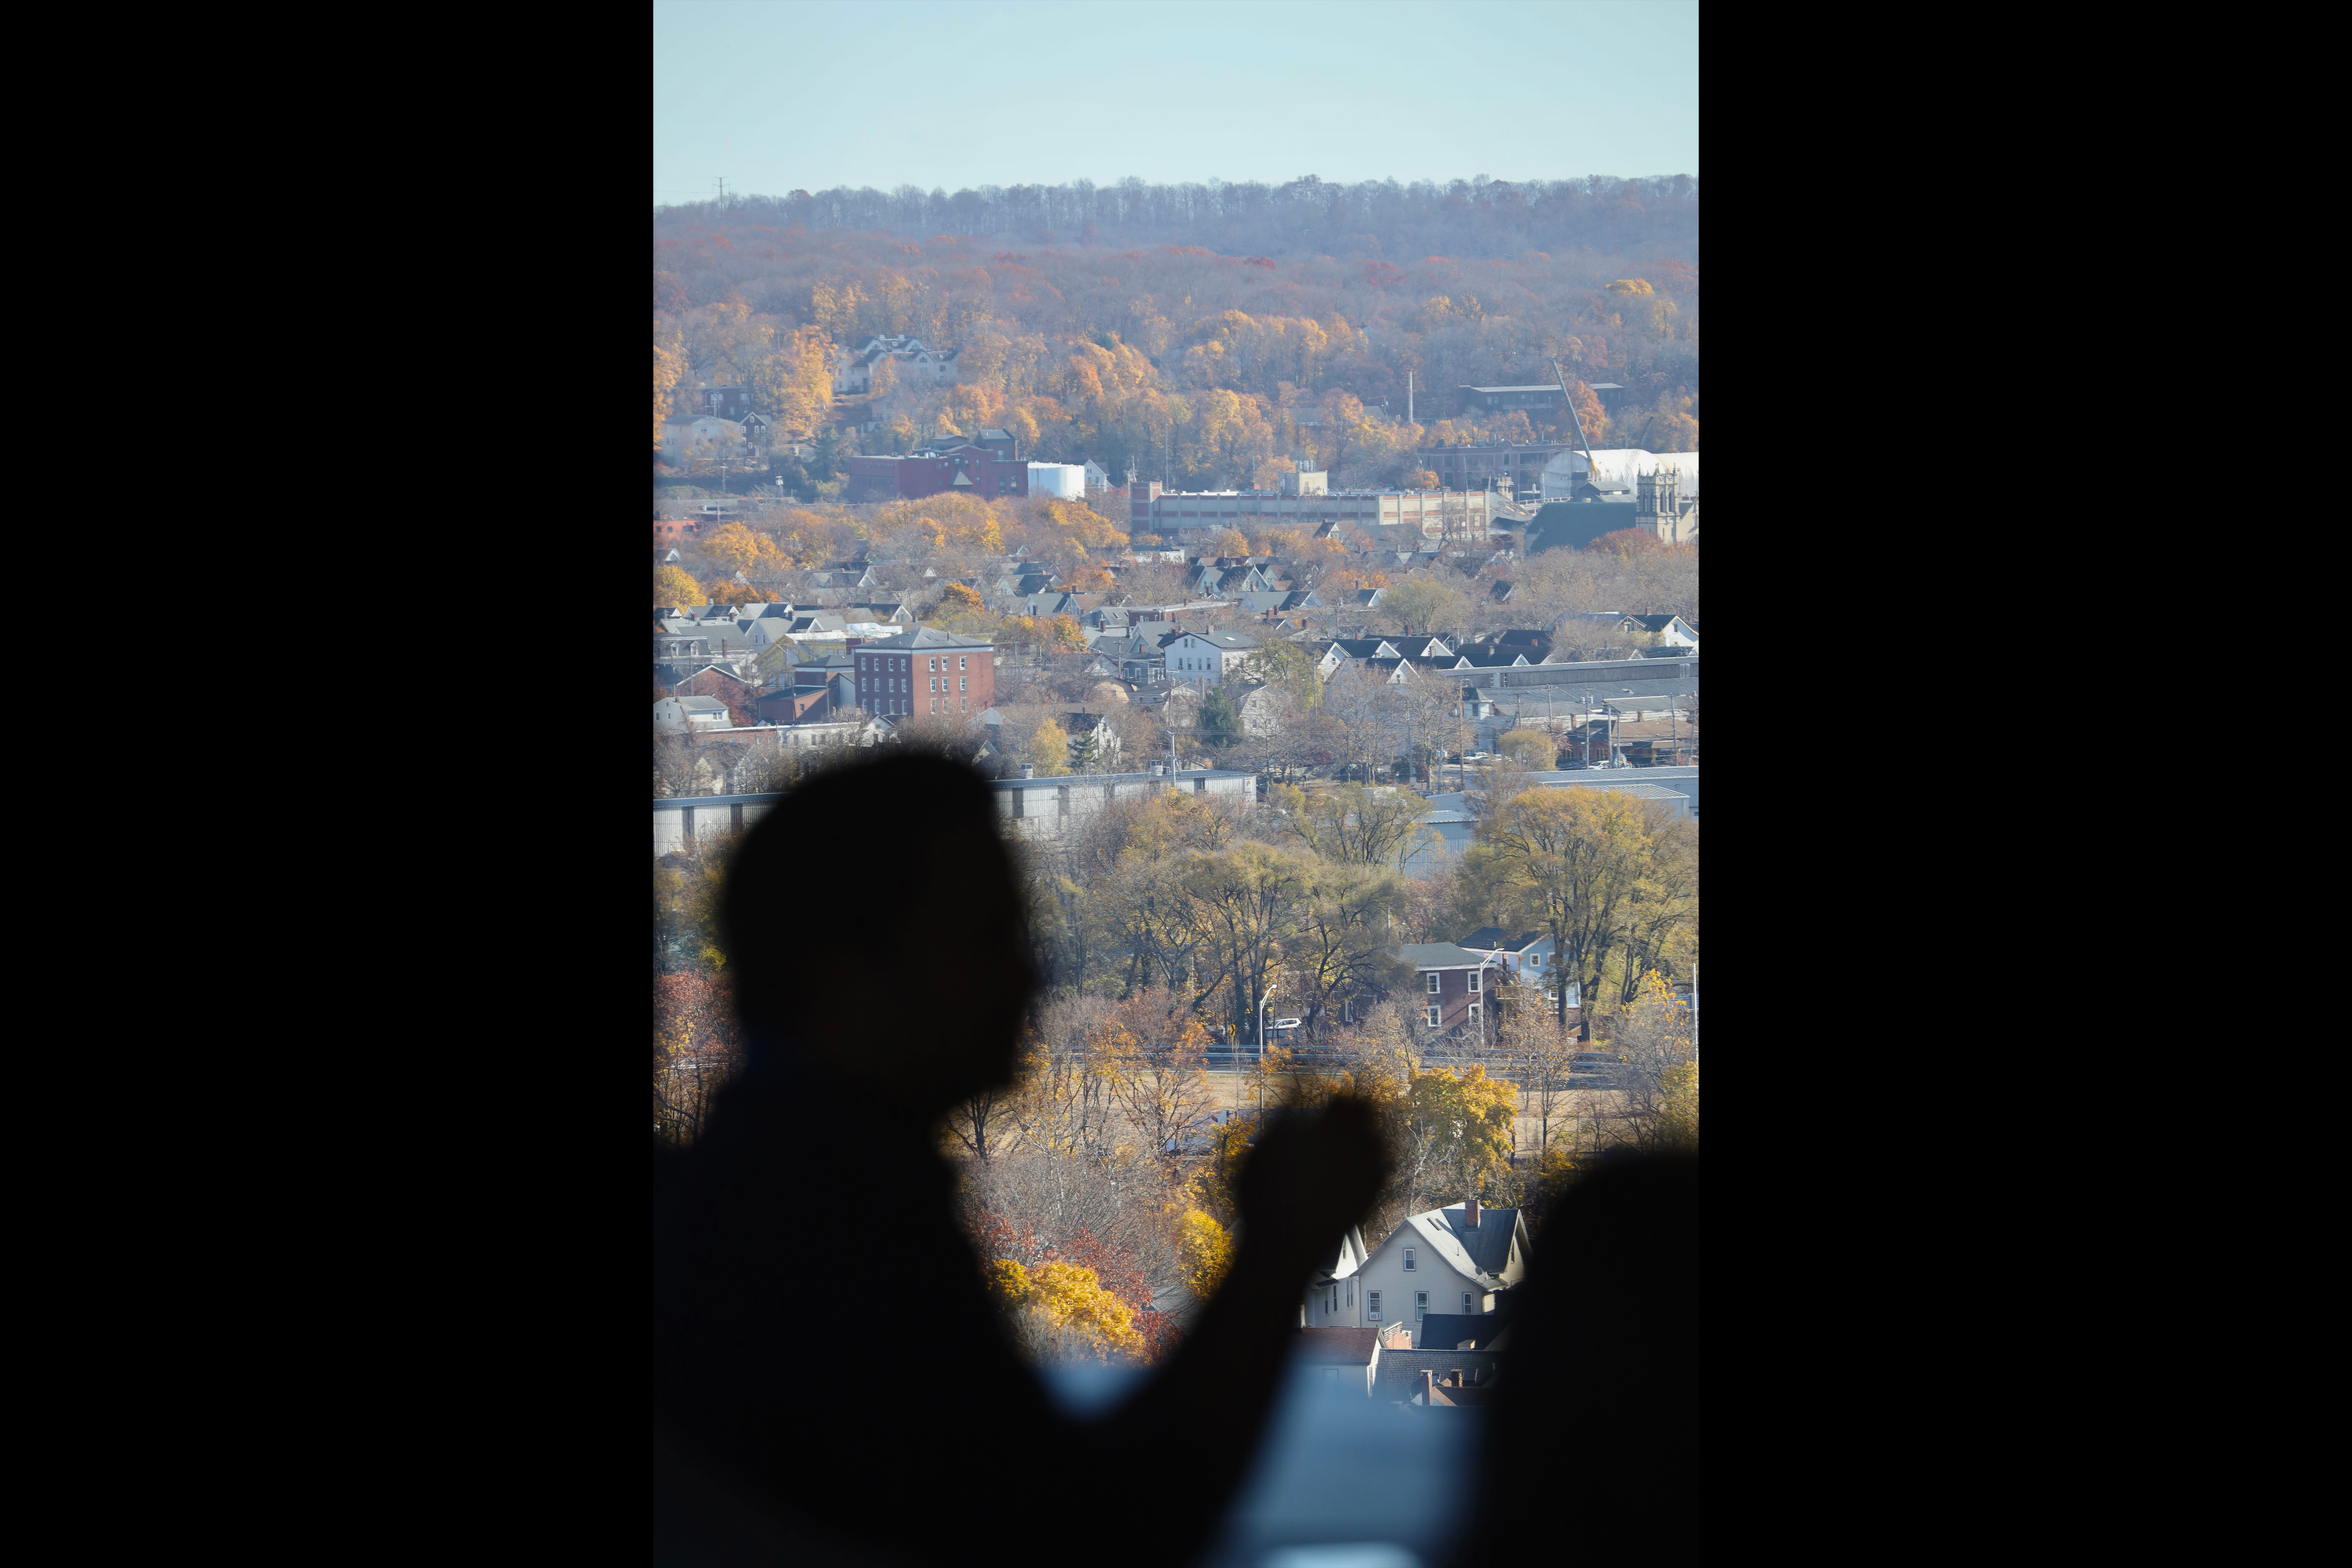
(784, 94)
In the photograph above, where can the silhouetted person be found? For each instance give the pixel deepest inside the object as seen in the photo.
(832, 1382)
(1593, 1450)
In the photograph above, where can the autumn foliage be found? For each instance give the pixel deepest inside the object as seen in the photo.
(1202, 367)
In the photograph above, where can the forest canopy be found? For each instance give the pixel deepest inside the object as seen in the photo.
(1203, 333)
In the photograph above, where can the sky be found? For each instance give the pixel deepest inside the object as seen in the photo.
(783, 95)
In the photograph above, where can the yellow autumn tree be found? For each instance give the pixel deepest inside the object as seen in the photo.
(668, 365)
(1469, 1117)
(743, 550)
(672, 586)
(1075, 1305)
(794, 381)
(1207, 1248)
(1066, 1310)
(1049, 750)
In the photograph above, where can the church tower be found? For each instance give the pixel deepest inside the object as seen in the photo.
(1657, 504)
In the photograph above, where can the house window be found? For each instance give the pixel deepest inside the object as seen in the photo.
(1465, 1303)
(1352, 1292)
(1372, 1305)
(1347, 1010)
(1433, 1018)
(1473, 1011)
(1433, 981)
(1408, 1260)
(1475, 975)
(1535, 961)
(1419, 1305)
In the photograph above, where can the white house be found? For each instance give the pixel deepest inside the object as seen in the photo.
(916, 362)
(697, 713)
(702, 436)
(1451, 1261)
(1332, 1300)
(1207, 656)
(1262, 709)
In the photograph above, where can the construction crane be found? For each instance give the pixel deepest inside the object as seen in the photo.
(1591, 468)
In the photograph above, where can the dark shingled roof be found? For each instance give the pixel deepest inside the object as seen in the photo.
(1489, 1245)
(1346, 1347)
(1447, 1330)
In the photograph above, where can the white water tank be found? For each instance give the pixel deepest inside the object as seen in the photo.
(1065, 482)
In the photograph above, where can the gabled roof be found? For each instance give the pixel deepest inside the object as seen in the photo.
(1486, 937)
(1489, 1245)
(1440, 956)
(925, 637)
(1224, 640)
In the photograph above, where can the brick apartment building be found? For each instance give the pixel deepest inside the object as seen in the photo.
(968, 469)
(1452, 986)
(924, 670)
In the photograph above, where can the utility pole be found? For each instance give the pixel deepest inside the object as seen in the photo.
(1408, 397)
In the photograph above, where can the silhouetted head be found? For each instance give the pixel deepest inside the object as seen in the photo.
(876, 931)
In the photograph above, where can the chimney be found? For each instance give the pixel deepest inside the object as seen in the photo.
(1028, 770)
(1428, 1386)
(1470, 1211)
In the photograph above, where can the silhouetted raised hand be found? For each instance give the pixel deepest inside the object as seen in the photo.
(1308, 1179)
(826, 1361)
